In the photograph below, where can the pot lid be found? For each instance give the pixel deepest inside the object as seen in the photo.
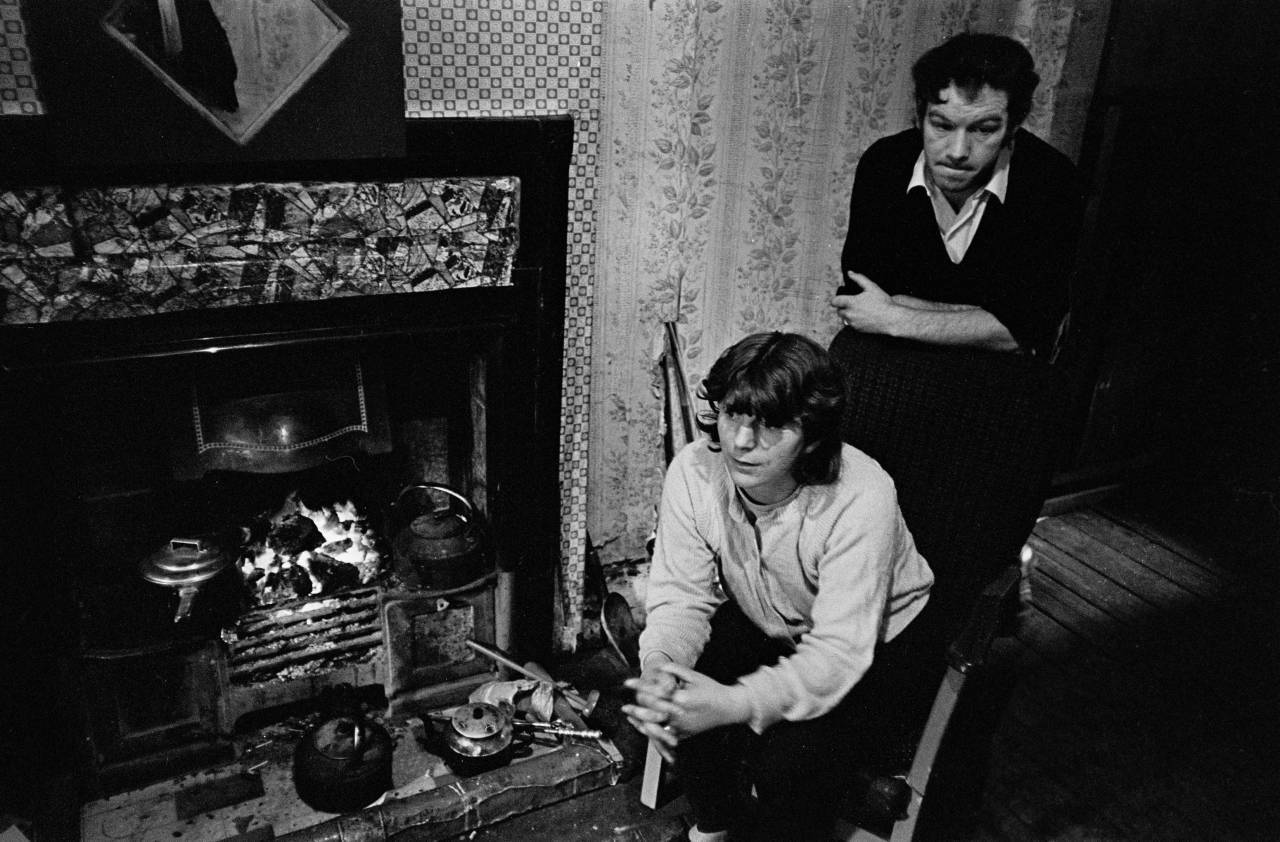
(184, 561)
(436, 525)
(479, 720)
(344, 738)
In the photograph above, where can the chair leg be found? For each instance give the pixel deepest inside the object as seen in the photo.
(652, 780)
(944, 704)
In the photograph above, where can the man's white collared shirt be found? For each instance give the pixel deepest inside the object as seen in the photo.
(957, 228)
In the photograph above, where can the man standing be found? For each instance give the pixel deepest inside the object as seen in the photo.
(956, 269)
(963, 231)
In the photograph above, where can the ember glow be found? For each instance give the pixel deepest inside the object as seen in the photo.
(310, 552)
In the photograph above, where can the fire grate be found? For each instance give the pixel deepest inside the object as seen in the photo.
(305, 638)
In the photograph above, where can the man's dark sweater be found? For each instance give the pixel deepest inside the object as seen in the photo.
(1019, 263)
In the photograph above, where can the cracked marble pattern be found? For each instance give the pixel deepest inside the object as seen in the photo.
(139, 250)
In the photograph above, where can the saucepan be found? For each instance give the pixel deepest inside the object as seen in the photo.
(185, 564)
(480, 735)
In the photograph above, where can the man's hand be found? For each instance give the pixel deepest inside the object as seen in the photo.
(875, 311)
(871, 311)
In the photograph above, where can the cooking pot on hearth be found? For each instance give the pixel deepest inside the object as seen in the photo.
(343, 763)
(185, 564)
(477, 736)
(437, 531)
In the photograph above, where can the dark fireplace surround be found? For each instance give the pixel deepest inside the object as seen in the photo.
(106, 689)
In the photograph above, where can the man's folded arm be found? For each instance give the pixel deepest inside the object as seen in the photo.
(950, 324)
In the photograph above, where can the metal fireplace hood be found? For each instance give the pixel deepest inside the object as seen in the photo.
(307, 408)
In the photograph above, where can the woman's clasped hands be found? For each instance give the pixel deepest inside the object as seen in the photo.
(675, 702)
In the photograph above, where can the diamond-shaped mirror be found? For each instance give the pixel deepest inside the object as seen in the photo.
(237, 62)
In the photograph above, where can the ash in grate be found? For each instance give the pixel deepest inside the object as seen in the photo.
(305, 638)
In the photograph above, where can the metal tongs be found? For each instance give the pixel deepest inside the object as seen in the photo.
(557, 728)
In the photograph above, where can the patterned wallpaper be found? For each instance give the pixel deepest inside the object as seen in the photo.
(19, 94)
(501, 58)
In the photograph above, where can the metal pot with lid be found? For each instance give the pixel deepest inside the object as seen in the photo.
(438, 533)
(476, 736)
(479, 729)
(343, 764)
(185, 564)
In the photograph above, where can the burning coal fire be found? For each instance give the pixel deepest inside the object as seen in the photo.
(298, 551)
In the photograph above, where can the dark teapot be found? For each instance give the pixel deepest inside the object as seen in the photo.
(438, 533)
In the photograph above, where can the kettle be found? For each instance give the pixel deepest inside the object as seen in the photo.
(479, 729)
(342, 764)
(438, 533)
(477, 736)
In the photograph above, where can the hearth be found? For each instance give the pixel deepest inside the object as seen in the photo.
(280, 434)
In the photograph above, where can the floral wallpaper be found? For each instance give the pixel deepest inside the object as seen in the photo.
(730, 136)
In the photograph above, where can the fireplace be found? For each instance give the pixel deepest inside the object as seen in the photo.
(270, 444)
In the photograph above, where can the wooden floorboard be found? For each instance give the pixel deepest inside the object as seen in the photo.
(1147, 689)
(1119, 603)
(1160, 532)
(1101, 752)
(1200, 578)
(1099, 806)
(1046, 805)
(1150, 583)
(1076, 612)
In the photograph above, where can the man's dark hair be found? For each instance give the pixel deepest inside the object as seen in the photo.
(973, 59)
(779, 378)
